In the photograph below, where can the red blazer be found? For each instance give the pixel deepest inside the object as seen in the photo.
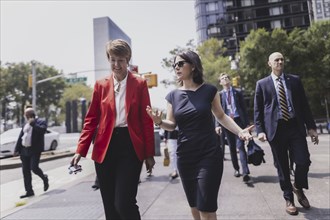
(101, 117)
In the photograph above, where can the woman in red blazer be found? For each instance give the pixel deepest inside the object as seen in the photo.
(123, 134)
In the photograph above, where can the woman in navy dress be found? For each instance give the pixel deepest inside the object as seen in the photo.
(199, 158)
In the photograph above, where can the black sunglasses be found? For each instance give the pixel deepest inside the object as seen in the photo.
(179, 64)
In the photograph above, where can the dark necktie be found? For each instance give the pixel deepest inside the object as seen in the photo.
(283, 101)
(228, 97)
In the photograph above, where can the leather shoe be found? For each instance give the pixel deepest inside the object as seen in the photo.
(28, 194)
(302, 199)
(246, 178)
(46, 183)
(174, 175)
(237, 174)
(291, 208)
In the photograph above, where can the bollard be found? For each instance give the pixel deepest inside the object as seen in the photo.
(157, 142)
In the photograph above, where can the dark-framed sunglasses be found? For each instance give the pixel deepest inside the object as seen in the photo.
(179, 64)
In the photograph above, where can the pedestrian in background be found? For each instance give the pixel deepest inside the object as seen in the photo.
(171, 139)
(281, 112)
(233, 104)
(199, 161)
(124, 134)
(30, 144)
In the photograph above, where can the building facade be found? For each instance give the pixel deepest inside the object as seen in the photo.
(232, 20)
(104, 29)
(321, 9)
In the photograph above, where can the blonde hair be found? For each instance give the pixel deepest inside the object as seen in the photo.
(120, 48)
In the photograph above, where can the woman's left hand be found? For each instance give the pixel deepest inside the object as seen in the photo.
(246, 133)
(156, 115)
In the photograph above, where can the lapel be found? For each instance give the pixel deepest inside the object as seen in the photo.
(130, 88)
(288, 86)
(111, 95)
(223, 99)
(235, 96)
(272, 87)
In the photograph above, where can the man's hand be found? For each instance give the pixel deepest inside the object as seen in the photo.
(314, 136)
(262, 137)
(150, 162)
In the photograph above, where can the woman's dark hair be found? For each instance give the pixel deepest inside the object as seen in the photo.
(193, 58)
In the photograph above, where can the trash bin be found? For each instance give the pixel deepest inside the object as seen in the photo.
(157, 142)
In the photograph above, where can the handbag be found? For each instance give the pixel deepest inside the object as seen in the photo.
(166, 161)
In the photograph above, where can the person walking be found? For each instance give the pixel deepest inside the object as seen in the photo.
(171, 139)
(199, 161)
(124, 134)
(30, 144)
(232, 101)
(281, 112)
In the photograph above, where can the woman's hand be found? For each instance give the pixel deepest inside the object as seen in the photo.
(75, 159)
(246, 133)
(156, 116)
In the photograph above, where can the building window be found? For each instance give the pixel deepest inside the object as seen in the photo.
(271, 1)
(211, 19)
(298, 21)
(275, 11)
(246, 3)
(213, 30)
(247, 27)
(275, 24)
(296, 8)
(228, 4)
(212, 6)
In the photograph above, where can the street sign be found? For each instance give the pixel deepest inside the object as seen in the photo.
(76, 80)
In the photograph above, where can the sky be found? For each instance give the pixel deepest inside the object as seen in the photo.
(60, 34)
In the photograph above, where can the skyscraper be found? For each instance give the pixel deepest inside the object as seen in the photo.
(232, 20)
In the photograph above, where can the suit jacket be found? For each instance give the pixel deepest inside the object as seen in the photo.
(266, 106)
(37, 137)
(240, 106)
(101, 116)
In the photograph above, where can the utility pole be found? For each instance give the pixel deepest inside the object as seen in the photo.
(34, 85)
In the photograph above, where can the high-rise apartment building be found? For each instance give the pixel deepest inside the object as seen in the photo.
(232, 20)
(104, 30)
(321, 9)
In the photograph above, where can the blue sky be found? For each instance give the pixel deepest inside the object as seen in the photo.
(60, 33)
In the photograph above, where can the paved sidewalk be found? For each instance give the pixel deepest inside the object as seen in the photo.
(159, 198)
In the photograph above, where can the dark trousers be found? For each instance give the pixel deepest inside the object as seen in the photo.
(235, 143)
(118, 177)
(288, 139)
(30, 161)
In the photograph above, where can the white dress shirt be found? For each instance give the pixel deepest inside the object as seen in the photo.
(120, 98)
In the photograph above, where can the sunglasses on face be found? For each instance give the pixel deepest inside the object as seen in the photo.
(179, 64)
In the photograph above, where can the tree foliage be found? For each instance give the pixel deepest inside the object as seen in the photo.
(14, 87)
(306, 54)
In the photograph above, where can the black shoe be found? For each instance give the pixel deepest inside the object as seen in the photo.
(237, 174)
(28, 194)
(246, 178)
(95, 187)
(46, 183)
(174, 175)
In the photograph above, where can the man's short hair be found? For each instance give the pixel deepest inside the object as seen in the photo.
(119, 48)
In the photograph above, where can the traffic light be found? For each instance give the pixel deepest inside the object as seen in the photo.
(30, 81)
(235, 81)
(151, 79)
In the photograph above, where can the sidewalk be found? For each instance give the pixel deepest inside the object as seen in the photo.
(159, 198)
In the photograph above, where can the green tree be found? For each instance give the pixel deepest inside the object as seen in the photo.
(14, 84)
(306, 53)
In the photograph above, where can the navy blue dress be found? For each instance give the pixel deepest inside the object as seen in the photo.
(200, 162)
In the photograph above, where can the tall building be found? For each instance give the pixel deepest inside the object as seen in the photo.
(104, 30)
(321, 9)
(232, 20)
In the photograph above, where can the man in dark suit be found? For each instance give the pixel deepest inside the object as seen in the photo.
(29, 146)
(233, 104)
(281, 112)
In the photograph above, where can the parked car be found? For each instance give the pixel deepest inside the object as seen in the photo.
(9, 138)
